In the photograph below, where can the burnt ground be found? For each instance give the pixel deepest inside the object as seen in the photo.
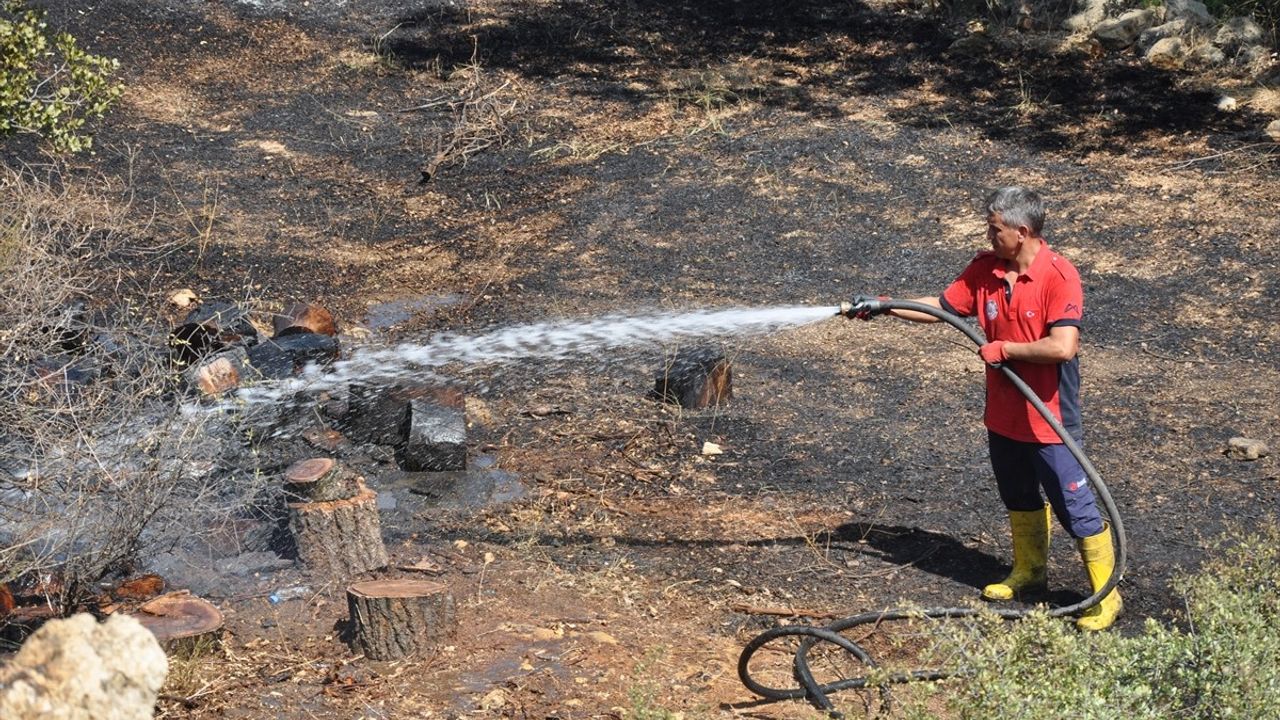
(685, 155)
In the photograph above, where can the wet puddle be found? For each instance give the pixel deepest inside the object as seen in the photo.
(385, 315)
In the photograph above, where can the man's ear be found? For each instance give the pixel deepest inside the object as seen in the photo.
(1024, 232)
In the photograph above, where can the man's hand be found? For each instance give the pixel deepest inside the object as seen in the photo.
(865, 307)
(993, 353)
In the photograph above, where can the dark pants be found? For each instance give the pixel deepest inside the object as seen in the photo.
(1023, 469)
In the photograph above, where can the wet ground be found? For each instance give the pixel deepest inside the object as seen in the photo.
(644, 155)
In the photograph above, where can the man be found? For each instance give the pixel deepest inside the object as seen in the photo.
(1029, 301)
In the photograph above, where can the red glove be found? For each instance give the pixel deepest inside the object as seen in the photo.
(993, 353)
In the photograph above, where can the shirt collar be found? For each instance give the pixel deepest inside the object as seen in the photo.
(1044, 256)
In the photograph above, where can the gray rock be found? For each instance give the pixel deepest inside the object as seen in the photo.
(1253, 55)
(1193, 11)
(1242, 448)
(78, 669)
(1151, 36)
(1166, 53)
(1119, 33)
(1207, 56)
(1093, 12)
(1273, 130)
(1237, 32)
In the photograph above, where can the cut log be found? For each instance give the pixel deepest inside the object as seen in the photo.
(210, 328)
(23, 620)
(213, 375)
(695, 378)
(435, 437)
(182, 622)
(380, 414)
(287, 355)
(303, 318)
(392, 619)
(139, 588)
(320, 480)
(339, 538)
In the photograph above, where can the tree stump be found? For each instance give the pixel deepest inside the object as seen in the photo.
(392, 619)
(182, 622)
(695, 378)
(320, 480)
(339, 538)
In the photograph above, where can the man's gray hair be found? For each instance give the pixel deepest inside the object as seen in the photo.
(1018, 206)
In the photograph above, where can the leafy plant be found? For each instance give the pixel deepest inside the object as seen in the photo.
(49, 86)
(1221, 661)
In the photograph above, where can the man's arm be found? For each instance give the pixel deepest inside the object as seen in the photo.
(919, 317)
(1060, 345)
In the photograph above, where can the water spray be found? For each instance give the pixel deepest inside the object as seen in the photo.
(818, 694)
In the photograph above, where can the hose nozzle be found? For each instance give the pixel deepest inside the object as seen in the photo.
(864, 307)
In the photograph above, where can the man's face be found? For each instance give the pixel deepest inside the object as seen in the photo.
(1005, 240)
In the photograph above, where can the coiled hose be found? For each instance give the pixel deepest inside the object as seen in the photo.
(818, 694)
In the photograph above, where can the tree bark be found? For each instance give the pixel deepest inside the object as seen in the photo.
(393, 619)
(339, 538)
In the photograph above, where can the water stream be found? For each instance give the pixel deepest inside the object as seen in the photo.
(543, 341)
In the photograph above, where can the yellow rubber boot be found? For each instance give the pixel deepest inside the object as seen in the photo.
(1030, 530)
(1099, 561)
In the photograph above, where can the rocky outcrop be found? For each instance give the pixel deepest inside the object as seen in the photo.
(1181, 33)
(79, 669)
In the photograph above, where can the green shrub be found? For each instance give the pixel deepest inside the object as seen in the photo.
(48, 85)
(1222, 660)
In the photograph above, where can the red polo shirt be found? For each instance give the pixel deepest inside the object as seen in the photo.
(1047, 294)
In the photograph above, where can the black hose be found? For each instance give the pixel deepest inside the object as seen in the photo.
(817, 694)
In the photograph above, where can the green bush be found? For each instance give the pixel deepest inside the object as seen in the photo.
(48, 85)
(1222, 660)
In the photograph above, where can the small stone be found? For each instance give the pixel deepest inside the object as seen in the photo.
(184, 298)
(494, 700)
(1226, 103)
(603, 638)
(710, 448)
(1273, 130)
(1242, 448)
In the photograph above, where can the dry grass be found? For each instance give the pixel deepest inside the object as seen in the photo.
(480, 108)
(99, 464)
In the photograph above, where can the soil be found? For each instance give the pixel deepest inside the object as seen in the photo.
(677, 155)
